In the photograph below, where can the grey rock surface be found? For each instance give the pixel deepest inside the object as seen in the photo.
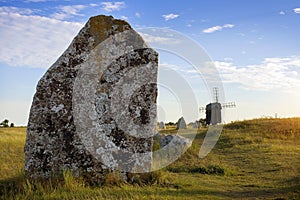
(196, 124)
(94, 110)
(177, 140)
(181, 124)
(161, 125)
(171, 148)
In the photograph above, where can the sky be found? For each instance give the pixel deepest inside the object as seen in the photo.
(254, 46)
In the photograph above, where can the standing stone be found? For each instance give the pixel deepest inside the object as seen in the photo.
(181, 124)
(196, 124)
(94, 110)
(161, 125)
(178, 142)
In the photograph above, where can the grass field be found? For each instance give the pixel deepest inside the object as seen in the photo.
(254, 159)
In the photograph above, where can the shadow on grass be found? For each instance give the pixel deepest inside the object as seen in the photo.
(12, 185)
(289, 189)
(251, 192)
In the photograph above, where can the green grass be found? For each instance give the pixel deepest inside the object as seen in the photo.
(253, 159)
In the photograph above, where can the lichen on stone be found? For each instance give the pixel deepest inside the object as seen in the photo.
(75, 122)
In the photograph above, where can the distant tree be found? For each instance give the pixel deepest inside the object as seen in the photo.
(202, 122)
(170, 123)
(190, 124)
(12, 125)
(4, 123)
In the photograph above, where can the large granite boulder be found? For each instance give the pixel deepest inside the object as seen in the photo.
(94, 110)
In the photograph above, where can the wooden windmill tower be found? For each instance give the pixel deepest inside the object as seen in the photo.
(213, 110)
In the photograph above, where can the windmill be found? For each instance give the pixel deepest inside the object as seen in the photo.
(213, 110)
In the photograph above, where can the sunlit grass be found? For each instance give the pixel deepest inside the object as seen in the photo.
(259, 159)
(12, 142)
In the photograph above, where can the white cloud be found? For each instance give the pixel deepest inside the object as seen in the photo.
(124, 18)
(137, 14)
(157, 39)
(170, 16)
(282, 13)
(170, 66)
(35, 1)
(73, 10)
(33, 41)
(93, 4)
(112, 6)
(68, 11)
(272, 74)
(60, 15)
(297, 10)
(217, 28)
(23, 11)
(212, 29)
(228, 26)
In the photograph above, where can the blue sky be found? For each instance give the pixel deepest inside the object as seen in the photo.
(254, 45)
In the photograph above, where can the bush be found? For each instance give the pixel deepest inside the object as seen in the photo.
(152, 178)
(211, 169)
(214, 169)
(114, 179)
(4, 123)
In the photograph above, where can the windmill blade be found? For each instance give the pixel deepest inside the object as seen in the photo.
(216, 94)
(229, 105)
(202, 109)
